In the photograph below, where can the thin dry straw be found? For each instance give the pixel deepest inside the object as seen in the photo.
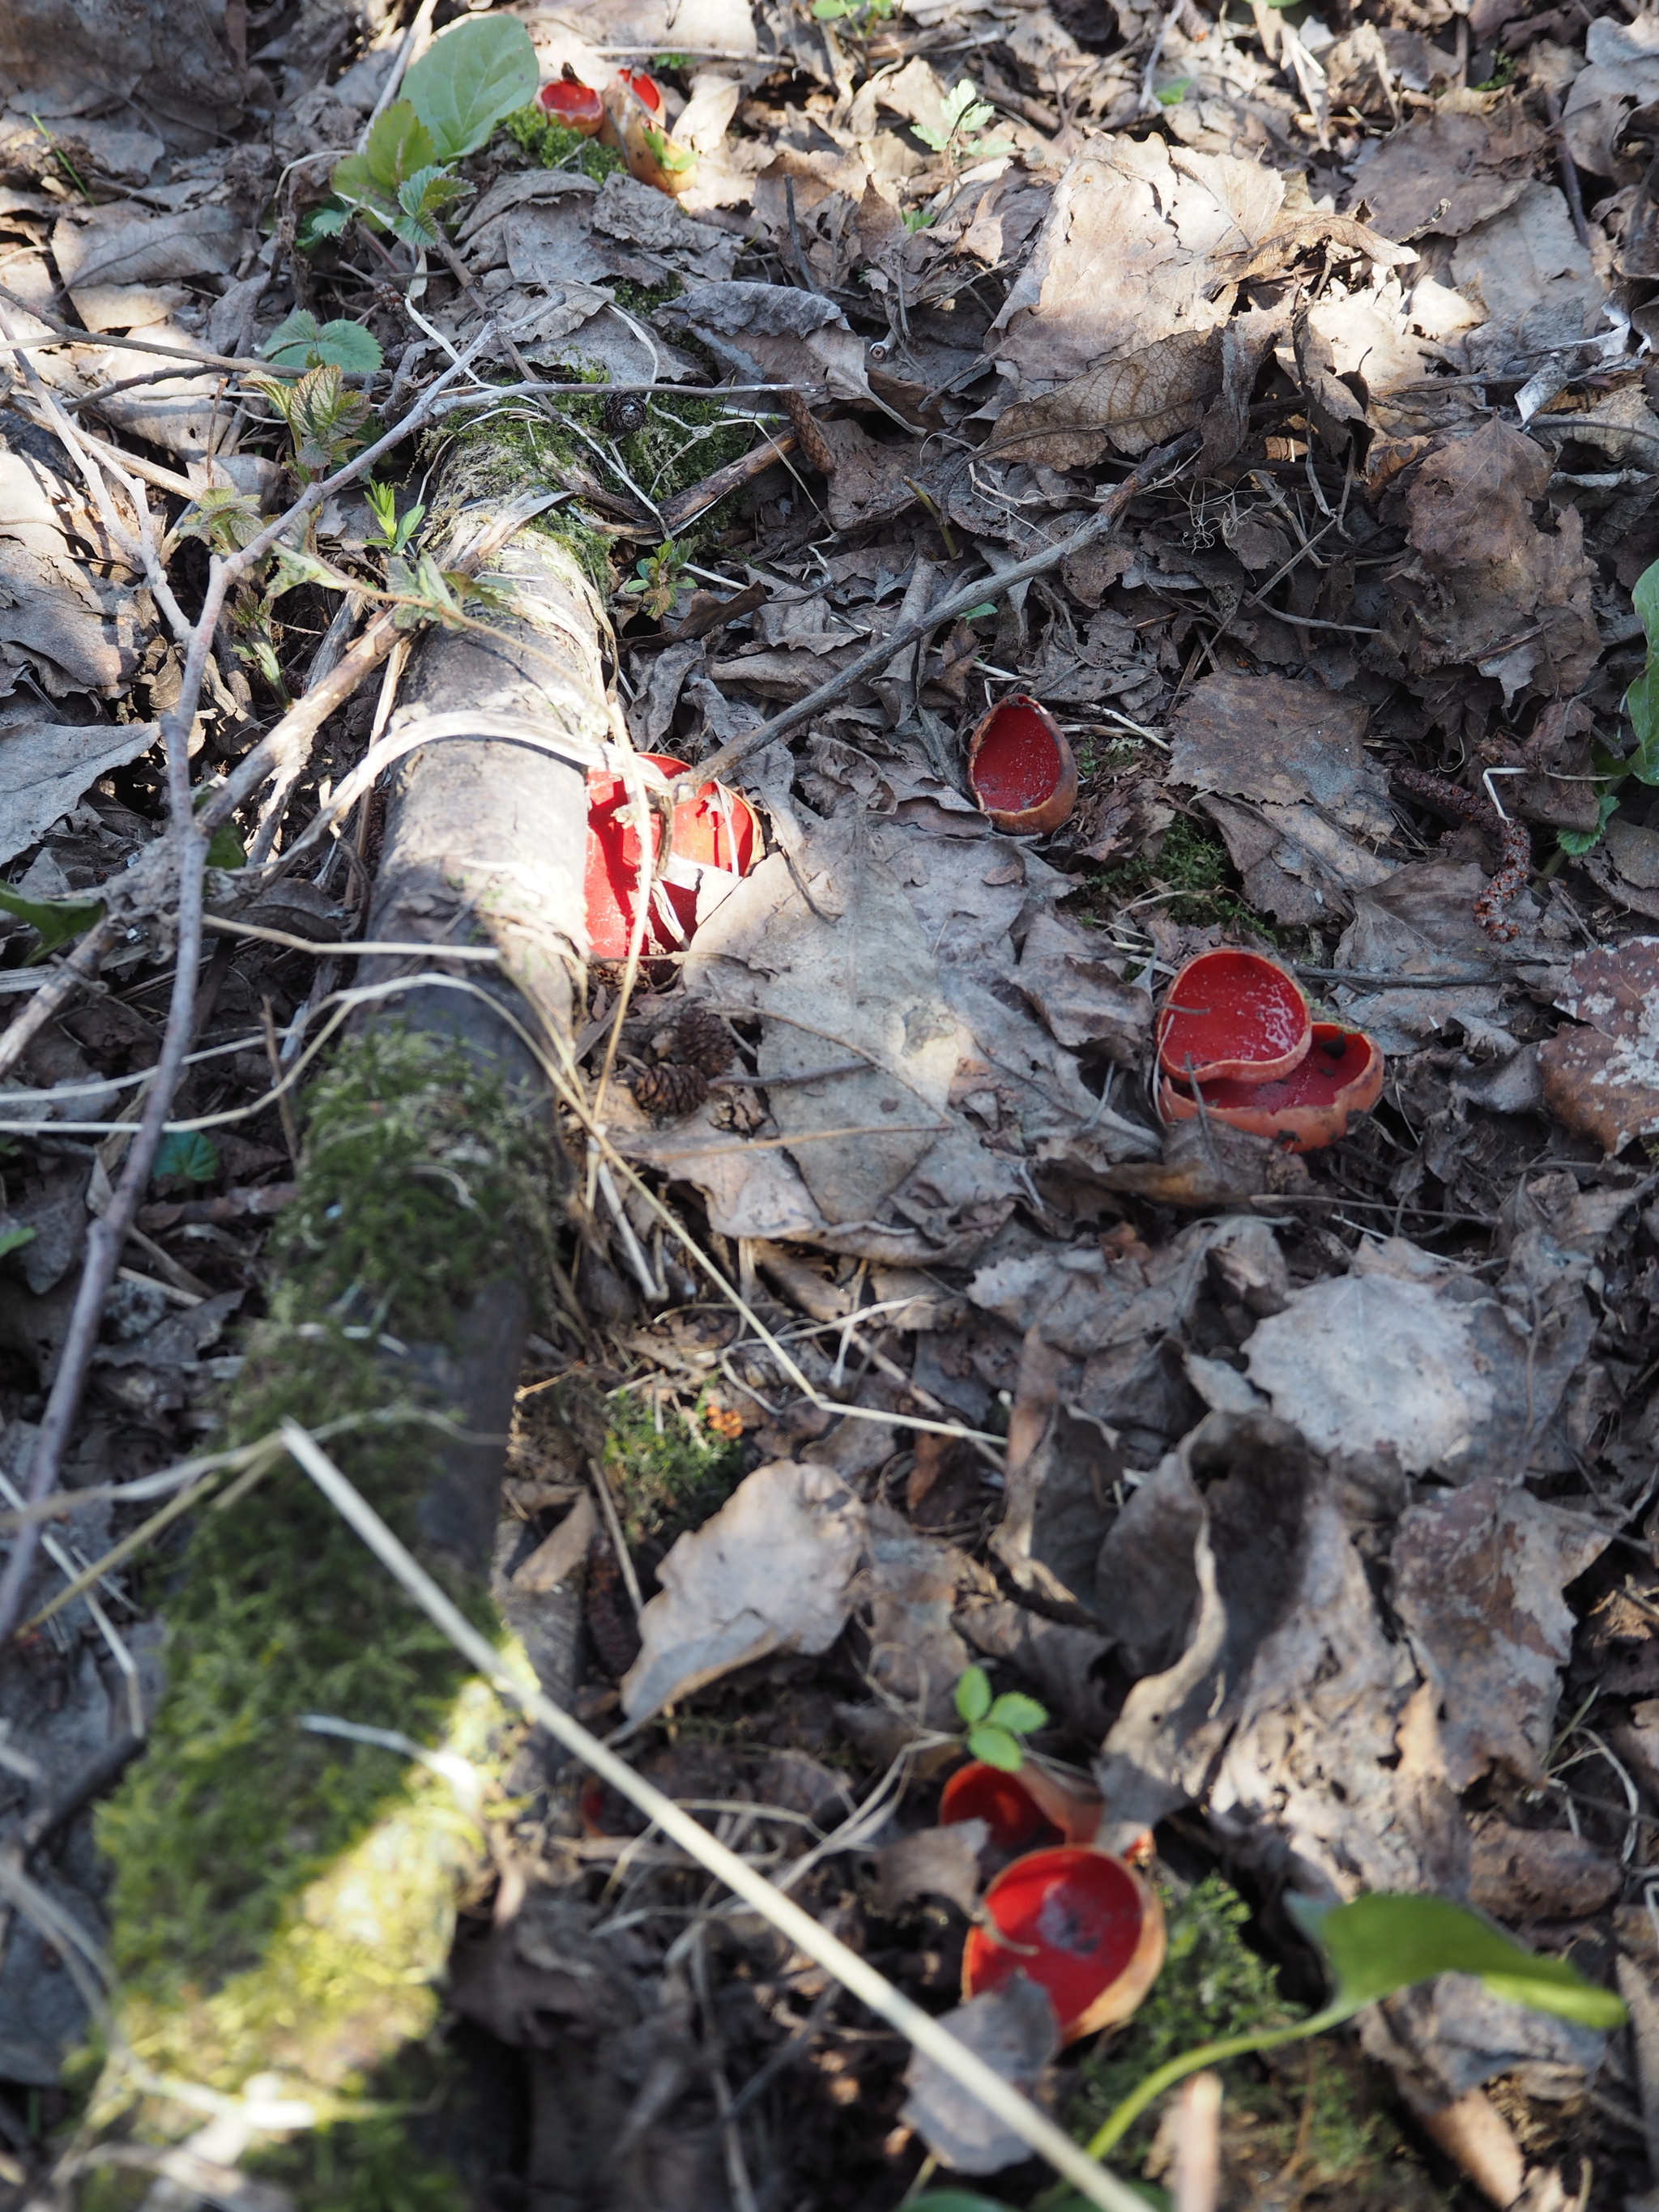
(934, 2041)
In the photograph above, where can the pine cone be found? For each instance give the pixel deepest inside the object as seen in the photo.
(668, 1091)
(702, 1040)
(623, 413)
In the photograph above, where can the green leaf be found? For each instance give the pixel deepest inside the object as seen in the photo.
(469, 78)
(398, 144)
(1383, 1942)
(1642, 705)
(974, 1694)
(996, 1747)
(1173, 94)
(945, 2200)
(13, 1240)
(225, 848)
(186, 1156)
(326, 221)
(56, 920)
(1574, 842)
(300, 341)
(1020, 1715)
(831, 11)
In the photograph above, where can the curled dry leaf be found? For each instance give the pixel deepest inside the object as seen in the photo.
(1011, 2028)
(1603, 1078)
(772, 1571)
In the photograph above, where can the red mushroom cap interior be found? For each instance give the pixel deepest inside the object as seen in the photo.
(569, 101)
(1233, 1013)
(979, 1792)
(647, 87)
(1018, 762)
(1075, 1916)
(1336, 1059)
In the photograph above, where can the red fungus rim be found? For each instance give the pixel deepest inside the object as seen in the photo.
(1341, 1075)
(716, 828)
(1072, 1920)
(1230, 1014)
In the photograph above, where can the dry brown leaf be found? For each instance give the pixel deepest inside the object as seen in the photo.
(1526, 269)
(1267, 738)
(1448, 170)
(1131, 403)
(1623, 73)
(1124, 261)
(1478, 1581)
(1540, 1874)
(932, 1862)
(772, 1571)
(1012, 2029)
(1602, 1079)
(1496, 589)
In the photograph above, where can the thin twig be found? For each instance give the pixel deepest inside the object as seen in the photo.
(1101, 524)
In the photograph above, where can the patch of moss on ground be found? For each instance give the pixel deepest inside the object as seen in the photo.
(1318, 2106)
(670, 1479)
(281, 1899)
(1192, 863)
(550, 145)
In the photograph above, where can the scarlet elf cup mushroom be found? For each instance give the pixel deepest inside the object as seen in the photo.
(566, 100)
(1081, 1924)
(1237, 1041)
(1020, 768)
(716, 841)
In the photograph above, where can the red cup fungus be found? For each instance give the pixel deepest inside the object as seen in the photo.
(1079, 1923)
(1340, 1076)
(715, 836)
(566, 100)
(1232, 1013)
(636, 124)
(978, 1792)
(1020, 768)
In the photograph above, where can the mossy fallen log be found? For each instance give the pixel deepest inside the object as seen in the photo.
(283, 1900)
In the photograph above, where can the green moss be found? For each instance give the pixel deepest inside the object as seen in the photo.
(641, 299)
(1319, 2103)
(551, 145)
(667, 1478)
(282, 1901)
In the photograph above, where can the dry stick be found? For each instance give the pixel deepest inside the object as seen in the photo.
(1101, 524)
(929, 2037)
(188, 835)
(68, 330)
(80, 968)
(686, 505)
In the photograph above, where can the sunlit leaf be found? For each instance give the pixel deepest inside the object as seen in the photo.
(1383, 1942)
(1020, 1715)
(469, 78)
(996, 1747)
(58, 920)
(300, 341)
(974, 1694)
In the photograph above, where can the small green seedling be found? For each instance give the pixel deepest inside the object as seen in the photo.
(58, 920)
(392, 531)
(657, 579)
(861, 16)
(453, 99)
(992, 1726)
(965, 115)
(185, 1155)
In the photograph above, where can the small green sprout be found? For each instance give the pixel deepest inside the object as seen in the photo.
(965, 115)
(992, 1726)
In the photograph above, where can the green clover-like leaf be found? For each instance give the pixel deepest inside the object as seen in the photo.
(1020, 1715)
(974, 1694)
(996, 1747)
(186, 1156)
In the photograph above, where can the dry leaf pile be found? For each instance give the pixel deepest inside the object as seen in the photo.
(1315, 1498)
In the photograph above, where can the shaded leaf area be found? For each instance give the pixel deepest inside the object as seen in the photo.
(910, 1392)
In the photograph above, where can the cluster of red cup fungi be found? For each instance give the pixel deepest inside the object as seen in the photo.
(1086, 1927)
(1237, 1042)
(627, 115)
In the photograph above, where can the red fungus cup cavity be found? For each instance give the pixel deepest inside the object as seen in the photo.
(1341, 1075)
(716, 842)
(577, 105)
(1020, 768)
(978, 1792)
(1233, 1014)
(1079, 1923)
